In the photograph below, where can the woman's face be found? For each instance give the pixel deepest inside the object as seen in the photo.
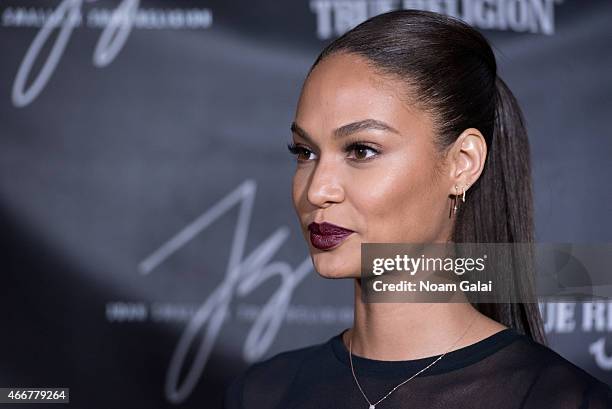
(387, 189)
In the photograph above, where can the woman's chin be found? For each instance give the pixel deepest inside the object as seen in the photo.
(328, 266)
(337, 274)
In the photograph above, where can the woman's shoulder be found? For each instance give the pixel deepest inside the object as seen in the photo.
(551, 376)
(266, 381)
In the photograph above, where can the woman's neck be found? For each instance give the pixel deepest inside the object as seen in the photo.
(405, 331)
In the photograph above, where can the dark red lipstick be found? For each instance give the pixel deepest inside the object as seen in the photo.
(325, 235)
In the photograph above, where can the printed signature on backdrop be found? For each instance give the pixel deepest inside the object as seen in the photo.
(67, 16)
(244, 273)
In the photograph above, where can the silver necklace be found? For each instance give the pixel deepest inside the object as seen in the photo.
(373, 405)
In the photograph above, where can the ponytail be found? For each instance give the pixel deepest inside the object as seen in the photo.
(501, 211)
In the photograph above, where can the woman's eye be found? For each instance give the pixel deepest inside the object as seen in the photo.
(361, 151)
(301, 153)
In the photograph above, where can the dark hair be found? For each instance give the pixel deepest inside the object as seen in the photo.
(451, 73)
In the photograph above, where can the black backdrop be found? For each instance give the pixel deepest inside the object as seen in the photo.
(143, 176)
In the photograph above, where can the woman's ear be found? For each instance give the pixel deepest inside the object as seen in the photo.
(467, 158)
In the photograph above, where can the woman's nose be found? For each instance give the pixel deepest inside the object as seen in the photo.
(325, 185)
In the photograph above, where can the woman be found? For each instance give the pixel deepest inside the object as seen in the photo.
(397, 120)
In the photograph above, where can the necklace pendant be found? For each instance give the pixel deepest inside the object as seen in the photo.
(372, 407)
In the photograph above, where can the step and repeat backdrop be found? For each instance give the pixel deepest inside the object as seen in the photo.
(149, 248)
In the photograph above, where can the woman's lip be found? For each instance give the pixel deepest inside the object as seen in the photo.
(327, 229)
(327, 241)
(325, 235)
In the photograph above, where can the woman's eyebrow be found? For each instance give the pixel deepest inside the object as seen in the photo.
(353, 127)
(348, 129)
(295, 128)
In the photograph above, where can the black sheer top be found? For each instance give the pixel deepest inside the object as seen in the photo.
(505, 370)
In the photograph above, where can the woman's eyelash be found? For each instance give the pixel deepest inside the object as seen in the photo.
(291, 147)
(296, 149)
(351, 146)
